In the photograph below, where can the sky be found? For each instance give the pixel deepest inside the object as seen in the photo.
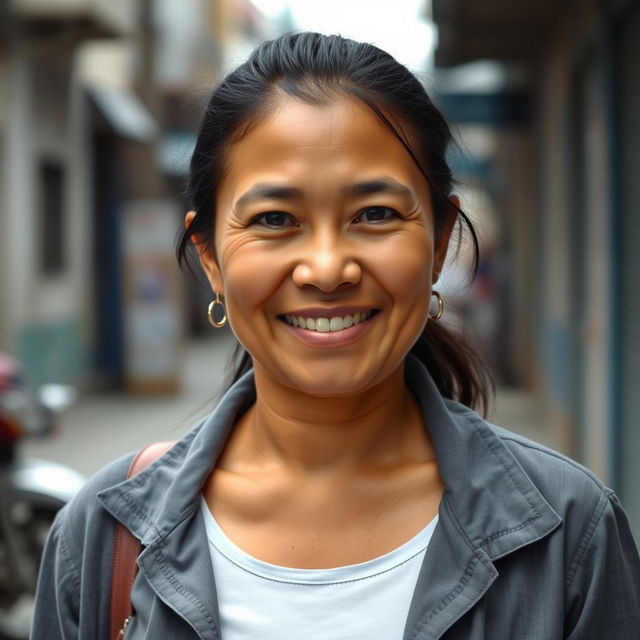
(398, 26)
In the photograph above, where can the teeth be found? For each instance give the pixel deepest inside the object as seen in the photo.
(325, 325)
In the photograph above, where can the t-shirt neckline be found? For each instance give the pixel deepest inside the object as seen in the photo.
(348, 573)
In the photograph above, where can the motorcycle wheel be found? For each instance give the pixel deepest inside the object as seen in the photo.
(32, 517)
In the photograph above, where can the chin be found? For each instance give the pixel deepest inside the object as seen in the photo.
(332, 383)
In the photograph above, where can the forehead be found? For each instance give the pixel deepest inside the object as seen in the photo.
(332, 141)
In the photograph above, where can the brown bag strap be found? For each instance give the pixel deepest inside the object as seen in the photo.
(126, 548)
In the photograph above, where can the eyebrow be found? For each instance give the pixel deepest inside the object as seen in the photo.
(265, 191)
(378, 185)
(269, 191)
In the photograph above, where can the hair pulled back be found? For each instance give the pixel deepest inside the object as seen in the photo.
(318, 69)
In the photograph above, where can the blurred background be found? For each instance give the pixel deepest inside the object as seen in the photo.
(99, 104)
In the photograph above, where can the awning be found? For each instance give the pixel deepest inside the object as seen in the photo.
(502, 30)
(124, 112)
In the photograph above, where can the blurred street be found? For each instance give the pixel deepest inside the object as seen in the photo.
(100, 427)
(103, 426)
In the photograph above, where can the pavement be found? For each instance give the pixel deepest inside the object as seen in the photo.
(103, 426)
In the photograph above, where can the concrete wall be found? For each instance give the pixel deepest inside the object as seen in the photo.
(46, 314)
(573, 223)
(45, 322)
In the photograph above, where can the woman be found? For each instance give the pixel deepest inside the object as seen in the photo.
(339, 490)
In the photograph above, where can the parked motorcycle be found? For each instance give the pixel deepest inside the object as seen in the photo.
(31, 491)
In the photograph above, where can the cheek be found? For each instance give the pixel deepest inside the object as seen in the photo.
(405, 268)
(251, 274)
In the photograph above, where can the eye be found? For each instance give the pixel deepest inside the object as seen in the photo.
(274, 220)
(376, 215)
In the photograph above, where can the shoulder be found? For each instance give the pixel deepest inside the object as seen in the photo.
(535, 457)
(595, 531)
(558, 477)
(564, 482)
(76, 565)
(575, 493)
(593, 518)
(591, 555)
(85, 516)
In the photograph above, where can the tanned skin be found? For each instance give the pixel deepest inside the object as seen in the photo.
(322, 212)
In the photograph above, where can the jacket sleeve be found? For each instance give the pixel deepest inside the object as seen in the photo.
(603, 582)
(56, 610)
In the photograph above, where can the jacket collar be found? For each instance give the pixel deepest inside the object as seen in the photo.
(492, 499)
(490, 508)
(159, 506)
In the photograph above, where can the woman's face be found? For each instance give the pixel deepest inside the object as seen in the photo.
(325, 247)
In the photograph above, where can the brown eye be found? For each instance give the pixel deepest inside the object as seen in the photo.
(274, 220)
(376, 215)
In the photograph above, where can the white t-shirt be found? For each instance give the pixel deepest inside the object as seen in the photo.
(261, 600)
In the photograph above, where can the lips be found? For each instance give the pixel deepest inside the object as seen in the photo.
(328, 323)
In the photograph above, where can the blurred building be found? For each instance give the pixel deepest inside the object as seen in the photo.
(47, 305)
(564, 169)
(99, 104)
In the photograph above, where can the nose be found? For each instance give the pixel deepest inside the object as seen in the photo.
(327, 263)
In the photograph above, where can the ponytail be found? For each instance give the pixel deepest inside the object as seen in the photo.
(457, 370)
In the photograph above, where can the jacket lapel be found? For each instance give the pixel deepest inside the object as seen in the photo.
(490, 508)
(452, 579)
(160, 506)
(178, 569)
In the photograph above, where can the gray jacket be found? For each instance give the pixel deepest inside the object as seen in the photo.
(529, 545)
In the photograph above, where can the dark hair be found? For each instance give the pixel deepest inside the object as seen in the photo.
(316, 69)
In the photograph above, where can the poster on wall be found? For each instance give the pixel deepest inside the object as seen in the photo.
(152, 318)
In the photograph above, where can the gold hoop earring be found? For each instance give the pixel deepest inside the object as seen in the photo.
(218, 324)
(438, 314)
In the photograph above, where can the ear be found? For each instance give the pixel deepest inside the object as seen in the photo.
(206, 257)
(442, 241)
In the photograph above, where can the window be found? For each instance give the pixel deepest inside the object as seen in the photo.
(52, 227)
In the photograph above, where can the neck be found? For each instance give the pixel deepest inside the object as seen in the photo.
(287, 428)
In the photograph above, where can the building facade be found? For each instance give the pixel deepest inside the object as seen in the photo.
(576, 267)
(45, 309)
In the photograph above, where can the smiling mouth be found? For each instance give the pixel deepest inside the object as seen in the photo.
(328, 324)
